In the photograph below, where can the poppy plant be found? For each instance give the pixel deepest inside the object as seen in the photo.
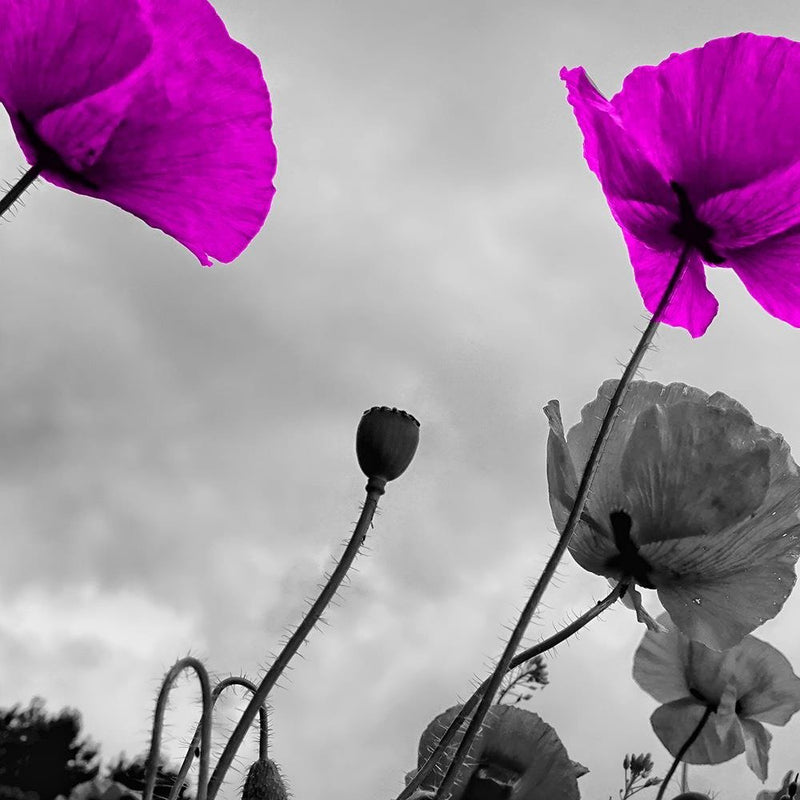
(518, 755)
(694, 500)
(153, 108)
(701, 151)
(745, 686)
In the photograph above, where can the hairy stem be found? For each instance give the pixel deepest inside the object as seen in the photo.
(262, 738)
(520, 658)
(528, 611)
(682, 752)
(297, 638)
(17, 190)
(158, 725)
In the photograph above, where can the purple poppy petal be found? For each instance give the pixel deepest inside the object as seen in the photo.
(722, 609)
(56, 52)
(770, 271)
(673, 657)
(516, 741)
(756, 743)
(692, 469)
(692, 305)
(769, 691)
(639, 197)
(719, 116)
(674, 722)
(197, 166)
(590, 546)
(658, 665)
(750, 214)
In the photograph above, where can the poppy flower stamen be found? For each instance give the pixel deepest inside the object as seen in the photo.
(628, 561)
(692, 230)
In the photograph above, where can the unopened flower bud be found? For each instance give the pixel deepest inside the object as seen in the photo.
(386, 441)
(264, 782)
(692, 796)
(626, 762)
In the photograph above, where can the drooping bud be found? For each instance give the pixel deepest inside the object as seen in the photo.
(264, 782)
(386, 441)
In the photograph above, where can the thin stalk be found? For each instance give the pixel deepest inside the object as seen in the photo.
(158, 725)
(262, 738)
(520, 658)
(17, 190)
(684, 777)
(682, 752)
(528, 611)
(297, 638)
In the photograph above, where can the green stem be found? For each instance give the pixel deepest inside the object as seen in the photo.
(684, 777)
(297, 638)
(262, 739)
(16, 191)
(684, 748)
(528, 611)
(520, 658)
(158, 725)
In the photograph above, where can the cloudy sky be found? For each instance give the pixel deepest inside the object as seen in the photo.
(177, 443)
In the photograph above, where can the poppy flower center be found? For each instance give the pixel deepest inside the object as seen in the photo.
(698, 695)
(491, 782)
(691, 230)
(629, 562)
(49, 159)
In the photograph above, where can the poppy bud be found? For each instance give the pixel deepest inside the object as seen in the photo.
(692, 796)
(264, 782)
(386, 441)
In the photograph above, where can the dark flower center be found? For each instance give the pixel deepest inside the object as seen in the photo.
(693, 231)
(49, 159)
(491, 782)
(628, 561)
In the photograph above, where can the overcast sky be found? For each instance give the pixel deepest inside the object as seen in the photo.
(177, 460)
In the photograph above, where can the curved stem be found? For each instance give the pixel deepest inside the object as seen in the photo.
(297, 638)
(500, 670)
(520, 658)
(158, 724)
(262, 738)
(682, 752)
(17, 190)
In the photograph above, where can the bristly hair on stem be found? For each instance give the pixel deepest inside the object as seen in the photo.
(452, 774)
(18, 189)
(191, 752)
(293, 645)
(525, 655)
(189, 662)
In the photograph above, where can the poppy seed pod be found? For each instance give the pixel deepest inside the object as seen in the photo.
(386, 441)
(264, 782)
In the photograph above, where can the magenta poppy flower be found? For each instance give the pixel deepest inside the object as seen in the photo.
(702, 150)
(151, 106)
(693, 499)
(747, 685)
(517, 755)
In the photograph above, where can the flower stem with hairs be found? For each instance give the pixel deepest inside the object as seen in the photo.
(18, 189)
(262, 738)
(527, 654)
(528, 611)
(158, 725)
(684, 748)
